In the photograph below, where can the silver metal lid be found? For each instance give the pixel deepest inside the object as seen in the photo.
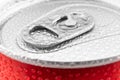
(62, 34)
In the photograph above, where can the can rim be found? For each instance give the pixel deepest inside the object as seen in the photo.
(68, 65)
(41, 63)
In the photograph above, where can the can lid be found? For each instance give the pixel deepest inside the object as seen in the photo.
(63, 34)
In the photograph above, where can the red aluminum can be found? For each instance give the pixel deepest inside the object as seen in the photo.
(60, 40)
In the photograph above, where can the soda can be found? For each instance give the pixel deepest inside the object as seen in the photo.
(59, 40)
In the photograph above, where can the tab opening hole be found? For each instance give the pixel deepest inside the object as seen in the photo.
(64, 18)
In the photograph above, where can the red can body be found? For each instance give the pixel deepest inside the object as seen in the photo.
(14, 70)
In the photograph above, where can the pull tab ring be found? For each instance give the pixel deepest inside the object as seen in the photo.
(57, 33)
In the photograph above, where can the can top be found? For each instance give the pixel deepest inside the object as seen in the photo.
(62, 34)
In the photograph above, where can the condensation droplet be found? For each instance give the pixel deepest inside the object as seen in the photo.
(77, 75)
(25, 70)
(39, 72)
(58, 78)
(40, 78)
(6, 78)
(109, 78)
(34, 76)
(10, 68)
(33, 70)
(27, 78)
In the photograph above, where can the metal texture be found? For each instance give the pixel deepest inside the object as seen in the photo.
(59, 40)
(89, 44)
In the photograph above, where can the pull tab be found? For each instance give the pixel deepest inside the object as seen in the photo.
(55, 33)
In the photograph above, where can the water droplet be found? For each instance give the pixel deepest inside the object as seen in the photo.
(12, 78)
(58, 78)
(6, 78)
(40, 78)
(10, 68)
(54, 73)
(77, 75)
(70, 75)
(25, 70)
(27, 78)
(109, 78)
(46, 79)
(34, 76)
(33, 70)
(39, 72)
(48, 70)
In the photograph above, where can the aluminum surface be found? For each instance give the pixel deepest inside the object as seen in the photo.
(98, 47)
